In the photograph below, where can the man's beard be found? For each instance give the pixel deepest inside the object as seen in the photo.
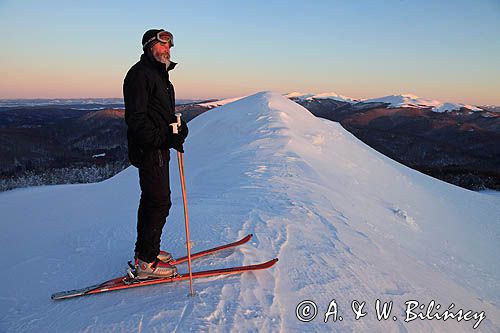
(164, 58)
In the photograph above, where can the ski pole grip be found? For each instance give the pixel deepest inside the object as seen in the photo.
(175, 126)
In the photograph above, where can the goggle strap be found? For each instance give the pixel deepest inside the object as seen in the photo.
(157, 37)
(149, 41)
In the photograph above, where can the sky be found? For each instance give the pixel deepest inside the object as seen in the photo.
(445, 49)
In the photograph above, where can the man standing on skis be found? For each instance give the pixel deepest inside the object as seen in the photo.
(149, 110)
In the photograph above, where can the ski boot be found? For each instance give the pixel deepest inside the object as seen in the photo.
(162, 256)
(153, 270)
(165, 257)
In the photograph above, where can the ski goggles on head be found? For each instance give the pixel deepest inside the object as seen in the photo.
(163, 37)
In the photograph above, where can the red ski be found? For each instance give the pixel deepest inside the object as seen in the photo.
(213, 250)
(197, 255)
(126, 282)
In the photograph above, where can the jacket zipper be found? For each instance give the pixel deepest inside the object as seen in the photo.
(160, 158)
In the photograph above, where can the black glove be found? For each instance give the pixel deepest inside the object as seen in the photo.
(183, 130)
(176, 141)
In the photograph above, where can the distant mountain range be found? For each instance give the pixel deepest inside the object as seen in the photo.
(75, 103)
(454, 142)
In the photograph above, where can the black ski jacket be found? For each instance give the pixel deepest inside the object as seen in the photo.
(149, 107)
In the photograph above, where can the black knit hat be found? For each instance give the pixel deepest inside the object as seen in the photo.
(148, 35)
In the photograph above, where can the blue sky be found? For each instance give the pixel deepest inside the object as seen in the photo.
(447, 50)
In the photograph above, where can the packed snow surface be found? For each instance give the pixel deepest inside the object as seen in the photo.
(346, 222)
(413, 101)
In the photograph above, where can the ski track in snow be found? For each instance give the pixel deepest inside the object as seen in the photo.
(346, 223)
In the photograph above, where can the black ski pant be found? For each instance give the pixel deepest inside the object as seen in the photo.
(154, 204)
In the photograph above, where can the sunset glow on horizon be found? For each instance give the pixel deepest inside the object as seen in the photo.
(446, 51)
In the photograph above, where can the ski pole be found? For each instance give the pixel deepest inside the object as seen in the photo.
(180, 159)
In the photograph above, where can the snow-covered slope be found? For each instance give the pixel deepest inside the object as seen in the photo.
(346, 222)
(221, 102)
(413, 101)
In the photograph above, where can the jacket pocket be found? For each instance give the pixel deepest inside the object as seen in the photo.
(135, 154)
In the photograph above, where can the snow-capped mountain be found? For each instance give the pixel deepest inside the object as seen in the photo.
(346, 222)
(413, 101)
(327, 95)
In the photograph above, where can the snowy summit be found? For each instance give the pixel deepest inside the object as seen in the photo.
(346, 222)
(413, 101)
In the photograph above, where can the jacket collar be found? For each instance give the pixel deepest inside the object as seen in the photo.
(171, 66)
(147, 58)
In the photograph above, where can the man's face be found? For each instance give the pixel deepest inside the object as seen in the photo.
(161, 52)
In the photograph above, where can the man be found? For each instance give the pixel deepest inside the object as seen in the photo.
(149, 110)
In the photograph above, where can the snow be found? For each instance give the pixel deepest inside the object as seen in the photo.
(333, 95)
(413, 101)
(346, 222)
(221, 102)
(299, 95)
(327, 95)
